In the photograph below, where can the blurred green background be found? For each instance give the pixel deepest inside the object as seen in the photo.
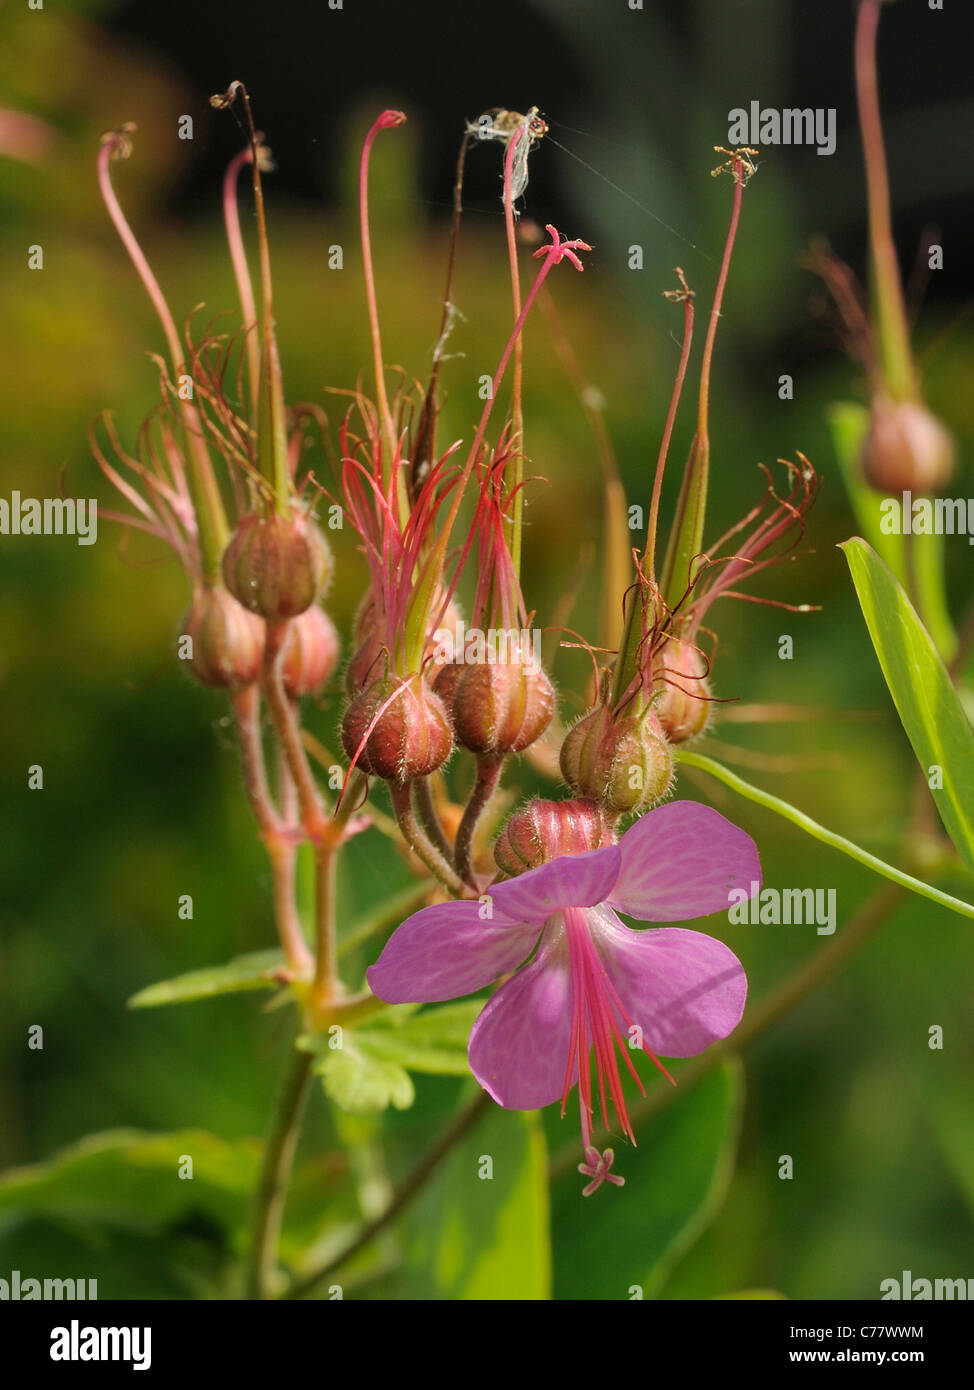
(141, 800)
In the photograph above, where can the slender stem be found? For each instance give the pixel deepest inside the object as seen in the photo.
(415, 1180)
(326, 941)
(207, 503)
(819, 832)
(488, 772)
(517, 410)
(708, 345)
(419, 842)
(245, 291)
(275, 1171)
(649, 553)
(316, 824)
(894, 333)
(792, 991)
(278, 842)
(384, 122)
(428, 817)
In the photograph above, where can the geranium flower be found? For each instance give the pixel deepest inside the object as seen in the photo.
(591, 984)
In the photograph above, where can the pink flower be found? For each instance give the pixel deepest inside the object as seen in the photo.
(592, 984)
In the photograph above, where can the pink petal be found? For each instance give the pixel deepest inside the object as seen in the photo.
(519, 1045)
(446, 951)
(573, 880)
(684, 989)
(681, 861)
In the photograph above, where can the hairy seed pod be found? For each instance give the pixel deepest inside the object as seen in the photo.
(277, 566)
(411, 737)
(544, 830)
(228, 642)
(310, 652)
(906, 449)
(683, 703)
(497, 708)
(624, 764)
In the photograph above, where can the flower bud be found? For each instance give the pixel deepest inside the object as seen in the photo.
(411, 737)
(683, 703)
(543, 830)
(497, 707)
(906, 449)
(310, 652)
(276, 566)
(625, 764)
(228, 642)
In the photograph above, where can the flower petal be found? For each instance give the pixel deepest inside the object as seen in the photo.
(572, 880)
(684, 989)
(519, 1045)
(446, 951)
(681, 861)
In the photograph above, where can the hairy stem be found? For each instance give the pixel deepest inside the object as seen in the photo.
(419, 842)
(488, 772)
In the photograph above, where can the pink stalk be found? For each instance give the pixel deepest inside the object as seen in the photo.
(211, 517)
(517, 412)
(386, 121)
(245, 290)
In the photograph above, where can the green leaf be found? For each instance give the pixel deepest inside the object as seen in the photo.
(480, 1230)
(434, 1041)
(125, 1208)
(361, 1082)
(676, 1179)
(254, 971)
(925, 699)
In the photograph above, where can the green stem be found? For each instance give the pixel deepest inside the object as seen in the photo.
(275, 1171)
(827, 837)
(430, 821)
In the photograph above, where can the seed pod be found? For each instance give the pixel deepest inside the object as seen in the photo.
(624, 764)
(310, 653)
(544, 830)
(906, 449)
(497, 707)
(683, 704)
(277, 566)
(228, 642)
(410, 738)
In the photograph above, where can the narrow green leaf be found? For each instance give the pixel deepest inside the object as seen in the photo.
(819, 832)
(254, 971)
(622, 1243)
(925, 699)
(480, 1231)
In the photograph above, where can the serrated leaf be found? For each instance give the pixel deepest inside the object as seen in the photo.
(361, 1081)
(254, 971)
(925, 699)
